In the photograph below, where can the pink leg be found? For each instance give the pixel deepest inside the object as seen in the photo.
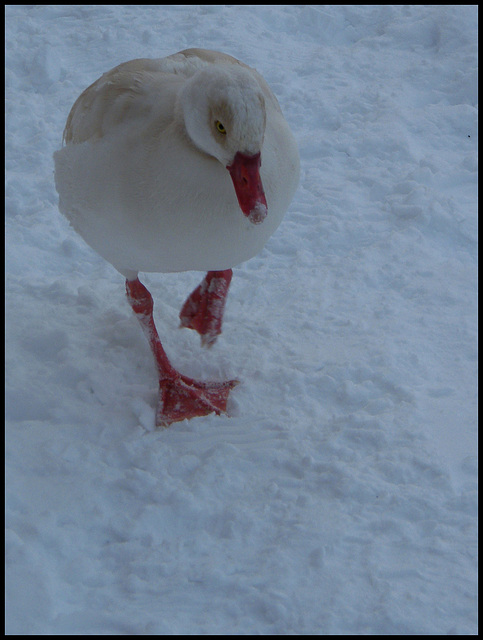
(203, 310)
(180, 397)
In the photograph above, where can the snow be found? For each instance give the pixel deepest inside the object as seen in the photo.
(339, 497)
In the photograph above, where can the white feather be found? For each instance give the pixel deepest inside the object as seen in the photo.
(142, 176)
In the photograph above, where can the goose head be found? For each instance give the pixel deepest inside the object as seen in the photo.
(224, 115)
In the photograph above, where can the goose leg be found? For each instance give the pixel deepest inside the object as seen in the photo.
(203, 310)
(180, 397)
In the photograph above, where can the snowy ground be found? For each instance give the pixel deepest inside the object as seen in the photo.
(340, 495)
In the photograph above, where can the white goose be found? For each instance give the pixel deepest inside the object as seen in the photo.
(176, 164)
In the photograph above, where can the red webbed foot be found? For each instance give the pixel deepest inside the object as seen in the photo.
(203, 310)
(183, 398)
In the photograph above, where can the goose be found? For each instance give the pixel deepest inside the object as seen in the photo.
(176, 164)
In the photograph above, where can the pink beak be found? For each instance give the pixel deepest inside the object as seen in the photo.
(245, 173)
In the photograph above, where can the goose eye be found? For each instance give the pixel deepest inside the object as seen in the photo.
(220, 128)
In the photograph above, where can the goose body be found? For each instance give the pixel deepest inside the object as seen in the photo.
(175, 164)
(142, 176)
